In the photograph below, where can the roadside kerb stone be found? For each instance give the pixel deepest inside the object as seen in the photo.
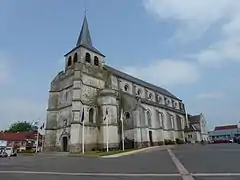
(138, 151)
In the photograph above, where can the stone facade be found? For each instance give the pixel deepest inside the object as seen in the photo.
(151, 114)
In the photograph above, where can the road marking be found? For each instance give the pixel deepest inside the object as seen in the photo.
(207, 150)
(89, 174)
(216, 174)
(182, 170)
(118, 174)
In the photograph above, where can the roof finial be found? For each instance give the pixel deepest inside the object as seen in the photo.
(85, 11)
(85, 8)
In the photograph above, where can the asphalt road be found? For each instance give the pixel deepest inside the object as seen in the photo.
(187, 162)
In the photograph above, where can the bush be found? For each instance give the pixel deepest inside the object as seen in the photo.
(180, 141)
(169, 142)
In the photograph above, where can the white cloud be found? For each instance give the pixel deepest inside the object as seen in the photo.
(166, 72)
(192, 11)
(20, 109)
(212, 95)
(195, 17)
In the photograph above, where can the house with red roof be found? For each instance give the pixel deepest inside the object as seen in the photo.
(20, 140)
(225, 133)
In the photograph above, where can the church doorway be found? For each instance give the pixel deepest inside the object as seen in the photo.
(65, 144)
(150, 138)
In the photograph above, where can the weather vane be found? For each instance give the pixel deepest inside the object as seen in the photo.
(85, 11)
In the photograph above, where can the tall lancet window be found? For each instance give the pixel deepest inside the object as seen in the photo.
(88, 58)
(91, 115)
(149, 119)
(172, 121)
(161, 120)
(96, 61)
(75, 58)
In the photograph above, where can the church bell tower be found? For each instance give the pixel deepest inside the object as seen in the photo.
(84, 50)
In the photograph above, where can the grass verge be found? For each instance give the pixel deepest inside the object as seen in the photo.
(99, 153)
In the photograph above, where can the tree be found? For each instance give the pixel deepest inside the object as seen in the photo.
(23, 126)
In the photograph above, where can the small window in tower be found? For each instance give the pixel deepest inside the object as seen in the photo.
(96, 61)
(88, 58)
(75, 58)
(69, 61)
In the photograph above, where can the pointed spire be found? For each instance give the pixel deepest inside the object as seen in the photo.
(84, 37)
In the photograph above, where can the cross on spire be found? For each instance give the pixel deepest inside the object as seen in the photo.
(85, 11)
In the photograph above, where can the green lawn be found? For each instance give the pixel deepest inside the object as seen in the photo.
(99, 153)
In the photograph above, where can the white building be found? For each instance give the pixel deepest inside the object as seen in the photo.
(151, 114)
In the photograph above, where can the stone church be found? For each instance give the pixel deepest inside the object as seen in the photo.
(151, 114)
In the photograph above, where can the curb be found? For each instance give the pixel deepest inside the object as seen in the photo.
(137, 151)
(83, 155)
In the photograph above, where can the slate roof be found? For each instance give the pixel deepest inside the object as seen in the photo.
(140, 82)
(191, 128)
(195, 119)
(84, 38)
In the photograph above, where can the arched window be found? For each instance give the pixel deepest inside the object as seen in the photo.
(179, 122)
(66, 96)
(161, 121)
(149, 119)
(126, 87)
(127, 115)
(75, 58)
(69, 63)
(91, 114)
(139, 92)
(96, 61)
(159, 99)
(150, 95)
(88, 58)
(172, 121)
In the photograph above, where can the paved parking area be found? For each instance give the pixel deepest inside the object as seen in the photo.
(187, 162)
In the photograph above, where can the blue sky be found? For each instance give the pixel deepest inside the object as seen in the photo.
(189, 48)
